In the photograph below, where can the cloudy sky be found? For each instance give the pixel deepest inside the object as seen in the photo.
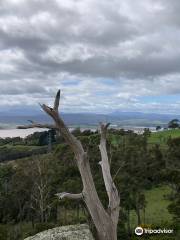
(105, 55)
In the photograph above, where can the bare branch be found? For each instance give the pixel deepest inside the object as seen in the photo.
(50, 111)
(37, 125)
(57, 100)
(118, 170)
(114, 199)
(107, 125)
(69, 195)
(31, 121)
(103, 130)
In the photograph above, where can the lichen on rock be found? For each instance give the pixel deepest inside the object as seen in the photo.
(71, 232)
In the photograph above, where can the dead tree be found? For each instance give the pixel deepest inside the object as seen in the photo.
(105, 220)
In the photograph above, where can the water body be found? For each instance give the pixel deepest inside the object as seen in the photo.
(25, 132)
(4, 133)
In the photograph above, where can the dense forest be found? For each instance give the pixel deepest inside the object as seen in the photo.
(144, 167)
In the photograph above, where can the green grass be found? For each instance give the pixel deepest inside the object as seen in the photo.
(157, 215)
(19, 147)
(155, 138)
(162, 137)
(156, 212)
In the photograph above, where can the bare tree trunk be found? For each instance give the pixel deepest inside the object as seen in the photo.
(128, 222)
(58, 213)
(65, 215)
(138, 215)
(104, 220)
(144, 212)
(78, 210)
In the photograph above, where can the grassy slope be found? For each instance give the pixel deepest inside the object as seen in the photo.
(156, 210)
(155, 138)
(19, 147)
(162, 137)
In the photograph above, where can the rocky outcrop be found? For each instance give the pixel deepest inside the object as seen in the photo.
(72, 232)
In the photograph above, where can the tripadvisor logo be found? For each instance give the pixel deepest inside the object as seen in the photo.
(140, 231)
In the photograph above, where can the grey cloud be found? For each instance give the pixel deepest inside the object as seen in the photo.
(21, 88)
(127, 42)
(111, 29)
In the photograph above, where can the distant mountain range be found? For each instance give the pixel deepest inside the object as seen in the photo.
(12, 118)
(150, 116)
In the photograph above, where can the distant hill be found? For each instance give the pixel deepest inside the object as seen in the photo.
(69, 118)
(89, 119)
(148, 116)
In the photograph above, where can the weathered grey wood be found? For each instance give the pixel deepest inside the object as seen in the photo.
(114, 199)
(69, 195)
(104, 220)
(38, 125)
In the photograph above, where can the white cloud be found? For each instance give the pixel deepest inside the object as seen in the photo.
(105, 55)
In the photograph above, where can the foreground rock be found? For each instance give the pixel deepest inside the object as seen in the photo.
(72, 232)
